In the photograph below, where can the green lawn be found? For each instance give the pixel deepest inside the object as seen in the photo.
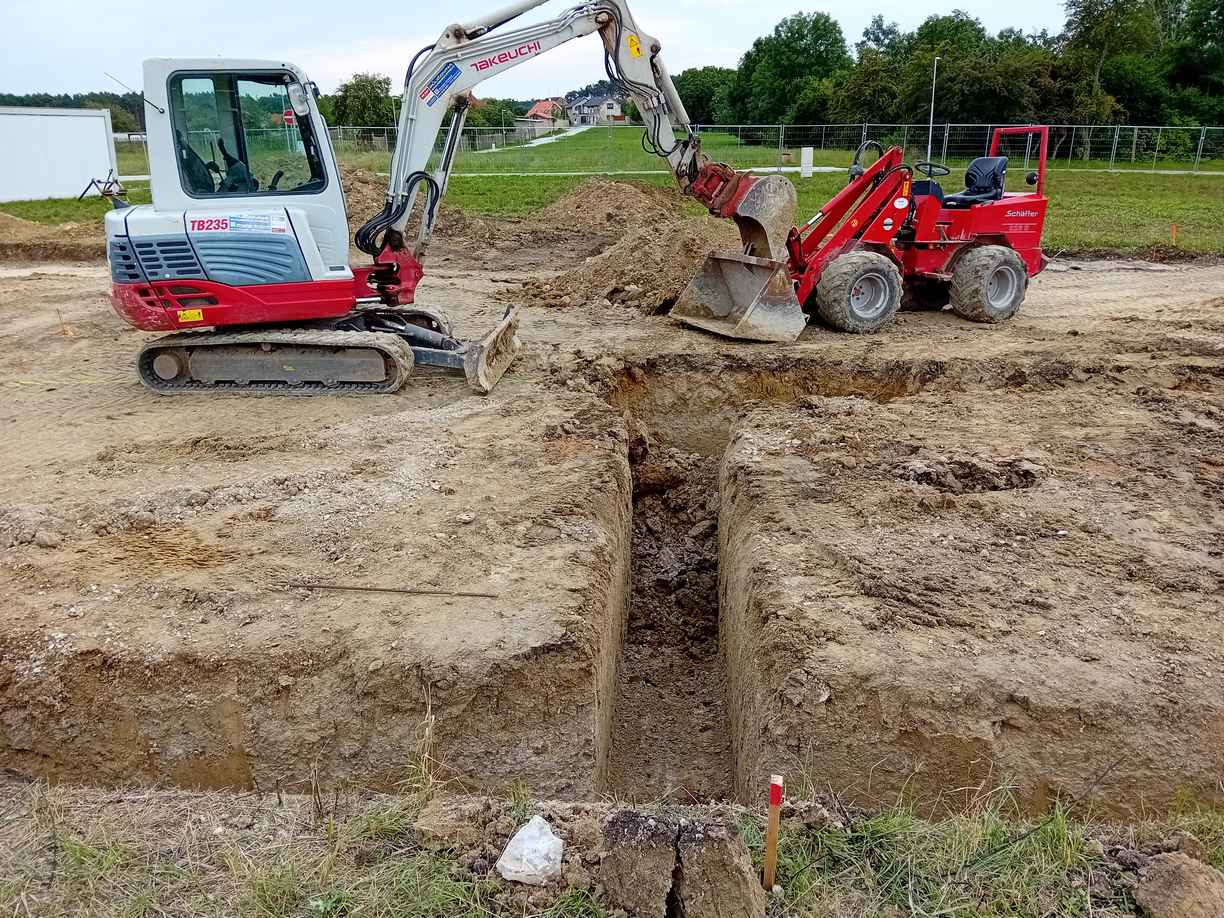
(1089, 211)
(619, 149)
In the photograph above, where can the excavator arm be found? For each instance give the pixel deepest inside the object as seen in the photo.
(441, 77)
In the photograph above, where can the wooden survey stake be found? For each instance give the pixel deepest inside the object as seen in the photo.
(770, 873)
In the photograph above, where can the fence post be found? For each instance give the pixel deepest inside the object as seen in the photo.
(1156, 152)
(986, 148)
(822, 135)
(1198, 157)
(1028, 150)
(1134, 143)
(1113, 154)
(904, 140)
(781, 145)
(864, 139)
(1071, 146)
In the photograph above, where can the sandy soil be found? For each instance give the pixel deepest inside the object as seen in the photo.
(144, 542)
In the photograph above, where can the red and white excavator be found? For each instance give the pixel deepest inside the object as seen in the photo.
(246, 258)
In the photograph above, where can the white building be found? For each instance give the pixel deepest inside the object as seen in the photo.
(53, 152)
(596, 110)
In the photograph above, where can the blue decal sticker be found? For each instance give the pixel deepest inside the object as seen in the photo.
(443, 80)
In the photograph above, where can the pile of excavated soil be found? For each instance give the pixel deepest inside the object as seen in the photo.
(598, 212)
(600, 204)
(647, 269)
(366, 192)
(40, 241)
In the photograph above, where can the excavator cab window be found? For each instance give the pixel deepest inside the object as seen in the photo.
(238, 134)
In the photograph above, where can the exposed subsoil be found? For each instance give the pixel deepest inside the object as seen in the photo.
(670, 736)
(896, 547)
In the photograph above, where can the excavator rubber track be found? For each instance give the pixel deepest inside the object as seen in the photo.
(277, 362)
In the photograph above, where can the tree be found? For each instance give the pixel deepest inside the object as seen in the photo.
(801, 47)
(365, 101)
(699, 89)
(492, 113)
(879, 36)
(602, 88)
(1102, 28)
(122, 121)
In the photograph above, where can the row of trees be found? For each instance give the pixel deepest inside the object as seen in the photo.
(364, 100)
(124, 107)
(1136, 61)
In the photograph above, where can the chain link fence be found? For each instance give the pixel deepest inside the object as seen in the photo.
(617, 149)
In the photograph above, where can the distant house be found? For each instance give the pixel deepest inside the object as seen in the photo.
(545, 116)
(550, 110)
(596, 110)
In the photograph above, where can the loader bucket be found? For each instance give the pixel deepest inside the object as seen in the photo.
(738, 296)
(485, 362)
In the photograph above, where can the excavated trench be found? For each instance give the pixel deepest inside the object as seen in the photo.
(672, 729)
(885, 592)
(767, 575)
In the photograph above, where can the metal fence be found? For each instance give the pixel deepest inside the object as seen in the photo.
(617, 149)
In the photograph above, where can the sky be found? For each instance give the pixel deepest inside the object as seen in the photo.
(70, 45)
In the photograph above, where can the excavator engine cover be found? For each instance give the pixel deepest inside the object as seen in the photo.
(750, 296)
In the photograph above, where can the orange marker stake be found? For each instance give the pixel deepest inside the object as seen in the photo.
(1173, 233)
(770, 873)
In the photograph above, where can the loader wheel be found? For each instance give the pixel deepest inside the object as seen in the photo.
(923, 295)
(859, 292)
(988, 284)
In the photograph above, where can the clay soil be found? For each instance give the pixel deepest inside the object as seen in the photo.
(969, 553)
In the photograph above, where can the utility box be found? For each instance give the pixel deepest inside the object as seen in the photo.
(53, 152)
(807, 162)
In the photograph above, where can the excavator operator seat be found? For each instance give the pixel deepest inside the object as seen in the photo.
(984, 181)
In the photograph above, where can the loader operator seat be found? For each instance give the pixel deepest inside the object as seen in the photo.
(984, 182)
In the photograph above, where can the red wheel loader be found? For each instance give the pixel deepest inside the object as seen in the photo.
(886, 241)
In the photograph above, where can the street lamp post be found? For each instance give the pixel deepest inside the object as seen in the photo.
(931, 126)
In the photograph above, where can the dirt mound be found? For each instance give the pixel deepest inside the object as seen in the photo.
(601, 204)
(25, 239)
(647, 269)
(366, 192)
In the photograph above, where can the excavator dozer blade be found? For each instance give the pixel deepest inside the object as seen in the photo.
(485, 362)
(738, 296)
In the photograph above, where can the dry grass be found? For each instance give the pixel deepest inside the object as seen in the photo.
(68, 851)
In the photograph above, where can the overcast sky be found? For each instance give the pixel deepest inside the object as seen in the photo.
(66, 46)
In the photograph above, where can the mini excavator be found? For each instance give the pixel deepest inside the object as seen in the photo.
(246, 261)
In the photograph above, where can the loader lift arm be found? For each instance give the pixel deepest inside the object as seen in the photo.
(440, 77)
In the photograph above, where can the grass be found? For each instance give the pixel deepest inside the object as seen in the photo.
(616, 149)
(71, 851)
(1120, 212)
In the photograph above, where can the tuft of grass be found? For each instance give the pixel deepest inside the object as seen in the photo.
(274, 892)
(425, 886)
(576, 904)
(984, 862)
(89, 863)
(519, 796)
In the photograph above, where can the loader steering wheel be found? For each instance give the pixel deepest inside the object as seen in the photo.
(932, 170)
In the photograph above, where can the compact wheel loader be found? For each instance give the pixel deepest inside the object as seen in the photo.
(885, 242)
(243, 253)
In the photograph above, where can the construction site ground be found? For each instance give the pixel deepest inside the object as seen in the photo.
(944, 557)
